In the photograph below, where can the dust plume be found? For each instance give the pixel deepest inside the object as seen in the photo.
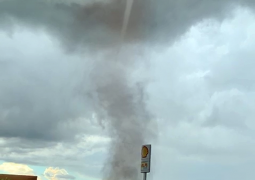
(125, 109)
(123, 103)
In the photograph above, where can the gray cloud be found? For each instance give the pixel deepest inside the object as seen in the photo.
(65, 176)
(40, 99)
(99, 24)
(116, 98)
(208, 117)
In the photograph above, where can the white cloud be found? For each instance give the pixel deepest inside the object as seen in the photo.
(18, 169)
(14, 168)
(57, 174)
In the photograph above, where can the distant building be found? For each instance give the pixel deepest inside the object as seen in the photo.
(16, 177)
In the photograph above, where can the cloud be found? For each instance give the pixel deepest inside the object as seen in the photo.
(40, 98)
(14, 168)
(117, 99)
(65, 176)
(99, 23)
(69, 155)
(199, 97)
(203, 94)
(43, 108)
(57, 174)
(18, 169)
(22, 169)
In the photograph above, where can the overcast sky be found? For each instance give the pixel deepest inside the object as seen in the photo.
(183, 81)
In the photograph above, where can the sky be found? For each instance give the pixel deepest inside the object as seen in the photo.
(77, 104)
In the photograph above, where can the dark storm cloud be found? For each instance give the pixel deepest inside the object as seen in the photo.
(99, 24)
(38, 102)
(96, 24)
(74, 24)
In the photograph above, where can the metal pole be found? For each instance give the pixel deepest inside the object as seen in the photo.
(144, 176)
